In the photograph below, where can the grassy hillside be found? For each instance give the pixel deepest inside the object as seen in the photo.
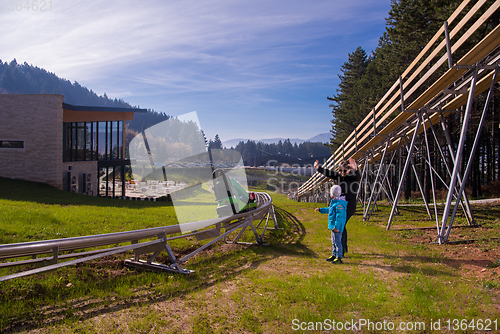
(393, 276)
(32, 211)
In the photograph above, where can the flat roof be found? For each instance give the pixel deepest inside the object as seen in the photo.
(105, 109)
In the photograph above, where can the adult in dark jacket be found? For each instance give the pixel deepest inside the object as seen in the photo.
(347, 177)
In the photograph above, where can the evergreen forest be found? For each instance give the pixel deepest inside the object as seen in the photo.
(306, 150)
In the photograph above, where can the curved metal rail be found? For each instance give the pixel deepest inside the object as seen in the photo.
(209, 229)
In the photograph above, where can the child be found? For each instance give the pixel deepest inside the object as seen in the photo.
(336, 221)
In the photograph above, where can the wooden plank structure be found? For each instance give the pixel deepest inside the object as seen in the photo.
(418, 101)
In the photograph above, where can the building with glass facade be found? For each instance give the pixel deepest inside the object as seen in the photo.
(75, 148)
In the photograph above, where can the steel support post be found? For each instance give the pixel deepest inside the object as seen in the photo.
(265, 226)
(474, 148)
(358, 195)
(389, 183)
(405, 170)
(382, 184)
(376, 180)
(371, 187)
(388, 190)
(384, 189)
(458, 157)
(366, 181)
(242, 224)
(418, 182)
(448, 47)
(430, 172)
(462, 200)
(469, 215)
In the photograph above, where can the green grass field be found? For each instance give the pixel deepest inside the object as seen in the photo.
(397, 277)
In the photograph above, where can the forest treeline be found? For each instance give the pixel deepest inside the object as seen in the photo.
(365, 78)
(24, 78)
(251, 149)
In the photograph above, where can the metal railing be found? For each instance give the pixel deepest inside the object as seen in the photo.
(61, 249)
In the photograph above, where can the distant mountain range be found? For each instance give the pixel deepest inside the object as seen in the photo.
(321, 138)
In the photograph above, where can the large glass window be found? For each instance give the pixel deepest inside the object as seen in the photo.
(116, 142)
(73, 141)
(91, 141)
(80, 139)
(120, 141)
(111, 181)
(88, 142)
(102, 140)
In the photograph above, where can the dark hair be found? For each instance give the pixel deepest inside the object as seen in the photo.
(344, 165)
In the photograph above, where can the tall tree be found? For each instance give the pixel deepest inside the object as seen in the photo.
(216, 143)
(348, 102)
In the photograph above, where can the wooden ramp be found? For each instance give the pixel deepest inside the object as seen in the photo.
(418, 102)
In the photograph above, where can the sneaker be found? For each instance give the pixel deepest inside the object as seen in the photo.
(337, 261)
(331, 258)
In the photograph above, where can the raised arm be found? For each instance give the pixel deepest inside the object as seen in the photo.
(325, 171)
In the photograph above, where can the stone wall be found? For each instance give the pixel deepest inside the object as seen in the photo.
(76, 168)
(36, 120)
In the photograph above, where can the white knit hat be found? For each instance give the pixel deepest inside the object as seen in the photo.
(335, 191)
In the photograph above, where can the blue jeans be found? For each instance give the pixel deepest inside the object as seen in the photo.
(337, 244)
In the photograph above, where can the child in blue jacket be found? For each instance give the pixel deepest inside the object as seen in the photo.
(337, 213)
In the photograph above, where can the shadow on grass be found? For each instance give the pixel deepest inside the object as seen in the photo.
(48, 300)
(412, 264)
(408, 265)
(290, 241)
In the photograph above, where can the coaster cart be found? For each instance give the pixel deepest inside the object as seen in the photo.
(231, 197)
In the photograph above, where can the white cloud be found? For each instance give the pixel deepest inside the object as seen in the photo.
(85, 38)
(238, 50)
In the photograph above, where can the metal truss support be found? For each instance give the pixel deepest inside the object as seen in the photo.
(364, 178)
(468, 214)
(446, 226)
(381, 164)
(391, 197)
(463, 199)
(175, 265)
(384, 179)
(405, 170)
(417, 178)
(431, 174)
(458, 158)
(372, 172)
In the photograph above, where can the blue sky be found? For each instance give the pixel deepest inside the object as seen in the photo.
(250, 69)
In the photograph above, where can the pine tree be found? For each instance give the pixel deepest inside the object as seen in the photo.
(348, 102)
(217, 142)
